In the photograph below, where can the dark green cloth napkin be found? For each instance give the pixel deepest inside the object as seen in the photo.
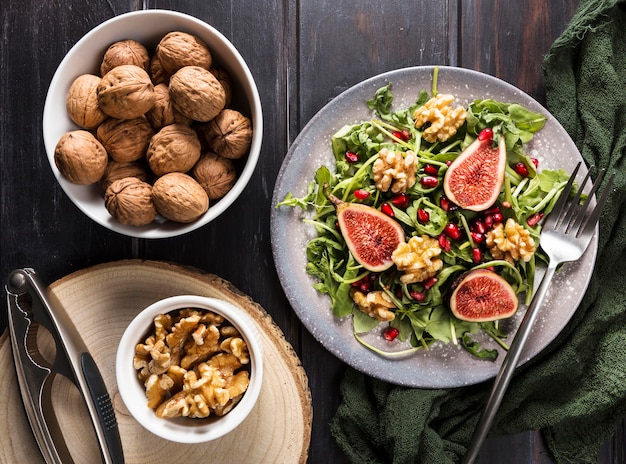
(575, 391)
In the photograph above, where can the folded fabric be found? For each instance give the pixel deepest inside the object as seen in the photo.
(574, 391)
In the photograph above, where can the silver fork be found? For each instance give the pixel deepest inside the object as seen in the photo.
(565, 235)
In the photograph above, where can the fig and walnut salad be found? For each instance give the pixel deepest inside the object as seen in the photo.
(428, 224)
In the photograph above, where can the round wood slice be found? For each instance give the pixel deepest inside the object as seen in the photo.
(101, 301)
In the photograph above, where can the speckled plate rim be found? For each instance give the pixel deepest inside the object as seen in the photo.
(443, 366)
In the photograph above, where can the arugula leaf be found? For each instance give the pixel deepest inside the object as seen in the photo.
(474, 348)
(322, 176)
(381, 103)
(362, 322)
(303, 202)
(516, 123)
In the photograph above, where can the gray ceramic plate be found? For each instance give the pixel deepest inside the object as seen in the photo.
(442, 366)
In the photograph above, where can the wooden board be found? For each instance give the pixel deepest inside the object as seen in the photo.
(101, 301)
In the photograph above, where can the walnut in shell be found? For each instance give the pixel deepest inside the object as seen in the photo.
(197, 93)
(178, 197)
(178, 49)
(116, 170)
(125, 52)
(126, 92)
(125, 139)
(82, 102)
(215, 174)
(229, 134)
(129, 200)
(163, 112)
(175, 148)
(227, 83)
(80, 158)
(157, 73)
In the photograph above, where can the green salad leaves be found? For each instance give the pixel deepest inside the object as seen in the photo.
(422, 315)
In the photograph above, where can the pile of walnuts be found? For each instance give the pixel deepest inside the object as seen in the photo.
(193, 364)
(156, 131)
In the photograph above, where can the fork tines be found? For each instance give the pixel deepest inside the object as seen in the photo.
(569, 214)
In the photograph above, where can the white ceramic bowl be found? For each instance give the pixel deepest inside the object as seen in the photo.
(183, 429)
(147, 27)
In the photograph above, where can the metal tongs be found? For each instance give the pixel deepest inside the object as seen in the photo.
(30, 304)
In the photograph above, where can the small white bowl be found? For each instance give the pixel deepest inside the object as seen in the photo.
(147, 27)
(184, 429)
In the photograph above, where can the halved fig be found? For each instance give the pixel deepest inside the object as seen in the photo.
(482, 295)
(474, 179)
(371, 236)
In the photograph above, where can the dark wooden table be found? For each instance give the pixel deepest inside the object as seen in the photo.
(302, 54)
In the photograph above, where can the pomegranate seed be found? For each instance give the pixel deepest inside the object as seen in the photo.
(446, 204)
(390, 334)
(535, 161)
(492, 210)
(478, 226)
(417, 296)
(477, 237)
(430, 282)
(485, 134)
(423, 216)
(361, 194)
(364, 284)
(521, 169)
(534, 219)
(401, 200)
(477, 255)
(403, 135)
(444, 243)
(497, 218)
(387, 209)
(351, 157)
(431, 170)
(488, 221)
(429, 182)
(452, 230)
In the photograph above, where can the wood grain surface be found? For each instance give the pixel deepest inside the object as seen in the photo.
(101, 301)
(302, 53)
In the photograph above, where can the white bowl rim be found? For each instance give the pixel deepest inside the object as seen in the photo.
(158, 18)
(133, 393)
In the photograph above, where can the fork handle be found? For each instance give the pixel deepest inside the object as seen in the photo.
(503, 379)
